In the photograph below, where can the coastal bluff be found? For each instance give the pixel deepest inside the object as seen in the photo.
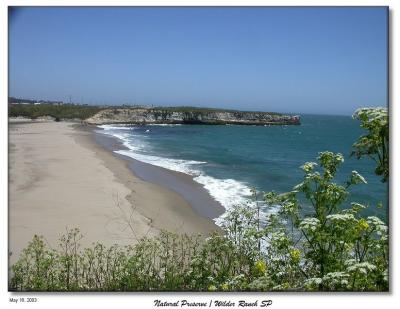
(178, 115)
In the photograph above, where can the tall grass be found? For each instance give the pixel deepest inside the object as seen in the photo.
(169, 262)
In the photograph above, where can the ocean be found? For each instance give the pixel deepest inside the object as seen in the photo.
(228, 161)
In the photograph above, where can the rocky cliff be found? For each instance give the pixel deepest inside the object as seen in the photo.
(189, 116)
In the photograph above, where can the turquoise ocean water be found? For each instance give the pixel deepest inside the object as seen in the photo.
(229, 160)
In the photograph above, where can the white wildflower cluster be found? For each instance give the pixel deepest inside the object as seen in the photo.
(278, 236)
(236, 281)
(261, 284)
(310, 224)
(379, 226)
(357, 206)
(342, 218)
(308, 166)
(334, 279)
(356, 178)
(373, 113)
(276, 259)
(289, 207)
(313, 176)
(350, 262)
(313, 282)
(362, 268)
(330, 157)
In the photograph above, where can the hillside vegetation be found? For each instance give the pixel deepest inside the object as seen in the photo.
(191, 109)
(83, 112)
(66, 111)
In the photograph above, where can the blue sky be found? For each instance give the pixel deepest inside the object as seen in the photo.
(300, 60)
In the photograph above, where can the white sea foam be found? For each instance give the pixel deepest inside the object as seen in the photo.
(108, 127)
(183, 166)
(228, 192)
(165, 124)
(124, 136)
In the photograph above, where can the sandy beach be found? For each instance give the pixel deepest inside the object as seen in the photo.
(60, 178)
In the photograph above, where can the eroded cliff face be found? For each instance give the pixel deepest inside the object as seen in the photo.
(187, 116)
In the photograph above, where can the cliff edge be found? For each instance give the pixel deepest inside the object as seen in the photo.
(177, 115)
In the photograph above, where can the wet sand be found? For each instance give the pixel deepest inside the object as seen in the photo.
(193, 192)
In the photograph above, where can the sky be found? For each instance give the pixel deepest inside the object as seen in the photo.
(292, 60)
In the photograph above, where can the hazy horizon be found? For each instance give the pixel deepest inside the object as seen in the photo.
(291, 60)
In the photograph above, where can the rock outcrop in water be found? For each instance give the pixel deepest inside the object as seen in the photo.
(178, 115)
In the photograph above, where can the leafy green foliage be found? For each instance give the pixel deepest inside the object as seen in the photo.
(66, 111)
(375, 144)
(322, 246)
(168, 262)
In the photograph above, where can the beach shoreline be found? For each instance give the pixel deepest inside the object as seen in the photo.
(60, 177)
(193, 192)
(159, 177)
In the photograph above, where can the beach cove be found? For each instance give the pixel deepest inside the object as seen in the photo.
(60, 178)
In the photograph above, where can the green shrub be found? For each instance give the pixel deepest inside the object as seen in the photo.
(326, 247)
(374, 144)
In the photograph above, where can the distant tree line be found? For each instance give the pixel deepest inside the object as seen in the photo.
(19, 100)
(65, 111)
